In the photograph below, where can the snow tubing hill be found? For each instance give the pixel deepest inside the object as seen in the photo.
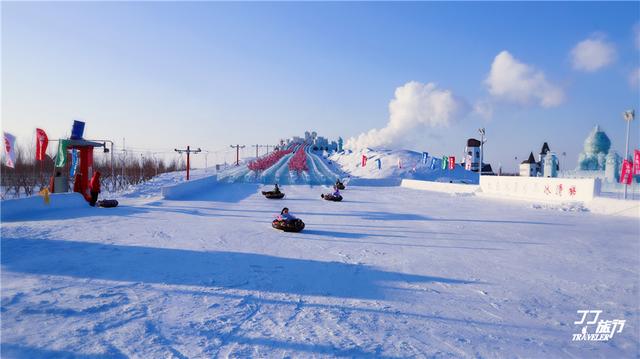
(330, 197)
(273, 195)
(291, 226)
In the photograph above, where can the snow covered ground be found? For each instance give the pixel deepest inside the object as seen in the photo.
(390, 272)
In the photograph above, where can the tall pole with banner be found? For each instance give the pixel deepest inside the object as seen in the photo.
(628, 117)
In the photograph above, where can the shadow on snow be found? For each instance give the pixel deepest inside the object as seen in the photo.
(213, 269)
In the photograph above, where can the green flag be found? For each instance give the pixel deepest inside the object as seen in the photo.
(61, 157)
(445, 161)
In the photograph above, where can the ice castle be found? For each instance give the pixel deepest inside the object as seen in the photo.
(596, 149)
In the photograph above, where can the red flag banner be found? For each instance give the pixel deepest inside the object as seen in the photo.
(364, 160)
(636, 162)
(452, 162)
(626, 172)
(42, 141)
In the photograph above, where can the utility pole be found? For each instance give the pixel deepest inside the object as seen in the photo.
(124, 159)
(482, 133)
(238, 147)
(206, 153)
(189, 151)
(628, 117)
(260, 146)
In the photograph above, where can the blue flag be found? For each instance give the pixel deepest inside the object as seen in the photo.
(74, 162)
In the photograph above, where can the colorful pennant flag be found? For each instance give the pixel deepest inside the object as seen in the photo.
(74, 162)
(61, 157)
(9, 149)
(42, 141)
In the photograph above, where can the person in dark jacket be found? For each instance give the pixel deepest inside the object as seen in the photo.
(285, 215)
(94, 188)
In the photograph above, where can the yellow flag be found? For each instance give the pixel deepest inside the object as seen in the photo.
(45, 194)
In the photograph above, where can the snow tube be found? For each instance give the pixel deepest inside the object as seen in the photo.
(330, 197)
(273, 195)
(288, 226)
(107, 203)
(340, 185)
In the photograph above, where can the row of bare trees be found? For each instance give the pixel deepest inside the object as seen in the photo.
(119, 171)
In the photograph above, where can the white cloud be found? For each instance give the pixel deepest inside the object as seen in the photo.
(484, 108)
(514, 81)
(634, 78)
(415, 107)
(593, 54)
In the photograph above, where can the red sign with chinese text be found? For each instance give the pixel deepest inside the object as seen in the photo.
(626, 173)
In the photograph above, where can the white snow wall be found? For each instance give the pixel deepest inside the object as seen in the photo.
(541, 189)
(439, 186)
(189, 188)
(30, 207)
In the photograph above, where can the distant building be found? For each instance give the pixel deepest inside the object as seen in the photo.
(472, 155)
(321, 142)
(541, 158)
(529, 167)
(548, 169)
(549, 164)
(546, 166)
(317, 142)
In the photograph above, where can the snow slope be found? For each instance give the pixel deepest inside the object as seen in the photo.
(411, 167)
(388, 273)
(319, 172)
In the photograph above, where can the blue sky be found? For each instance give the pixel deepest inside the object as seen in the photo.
(164, 75)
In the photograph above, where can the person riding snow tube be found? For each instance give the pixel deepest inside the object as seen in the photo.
(287, 222)
(275, 194)
(335, 196)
